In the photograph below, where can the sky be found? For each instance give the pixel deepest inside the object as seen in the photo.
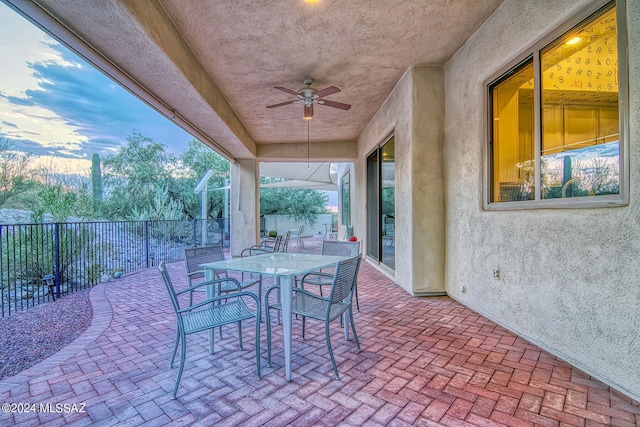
(61, 109)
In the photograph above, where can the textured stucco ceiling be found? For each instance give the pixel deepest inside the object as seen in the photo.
(216, 62)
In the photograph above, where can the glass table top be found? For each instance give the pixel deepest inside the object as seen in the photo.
(277, 264)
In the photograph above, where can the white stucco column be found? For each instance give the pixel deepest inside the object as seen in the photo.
(245, 205)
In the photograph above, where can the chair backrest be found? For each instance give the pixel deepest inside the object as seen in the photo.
(285, 243)
(340, 248)
(299, 232)
(390, 230)
(169, 285)
(193, 257)
(277, 243)
(344, 279)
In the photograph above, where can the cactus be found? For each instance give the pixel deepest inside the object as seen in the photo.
(96, 177)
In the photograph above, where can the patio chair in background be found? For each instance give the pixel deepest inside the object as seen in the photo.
(285, 242)
(297, 237)
(339, 248)
(277, 244)
(264, 247)
(307, 304)
(389, 236)
(211, 313)
(193, 257)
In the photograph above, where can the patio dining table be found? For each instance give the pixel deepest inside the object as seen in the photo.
(283, 267)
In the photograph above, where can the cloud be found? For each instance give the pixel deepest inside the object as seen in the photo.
(4, 123)
(52, 101)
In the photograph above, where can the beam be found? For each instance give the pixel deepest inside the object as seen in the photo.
(328, 151)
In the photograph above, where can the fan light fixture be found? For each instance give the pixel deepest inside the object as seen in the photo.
(308, 96)
(308, 112)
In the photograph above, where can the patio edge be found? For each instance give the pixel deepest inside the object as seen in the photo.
(100, 321)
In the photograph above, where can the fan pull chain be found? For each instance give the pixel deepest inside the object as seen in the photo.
(308, 144)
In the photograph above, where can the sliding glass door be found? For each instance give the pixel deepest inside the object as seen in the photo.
(381, 213)
(373, 203)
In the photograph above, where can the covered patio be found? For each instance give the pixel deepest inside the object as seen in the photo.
(424, 361)
(419, 76)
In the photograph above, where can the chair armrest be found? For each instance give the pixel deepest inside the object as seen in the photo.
(315, 274)
(268, 243)
(216, 274)
(266, 294)
(224, 297)
(195, 272)
(208, 283)
(254, 251)
(309, 294)
(260, 246)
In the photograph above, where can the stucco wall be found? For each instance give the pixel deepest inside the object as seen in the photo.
(570, 277)
(282, 223)
(414, 112)
(245, 221)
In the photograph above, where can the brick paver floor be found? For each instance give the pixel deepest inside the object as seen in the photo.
(424, 361)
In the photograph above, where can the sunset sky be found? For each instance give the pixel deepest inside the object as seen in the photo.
(59, 108)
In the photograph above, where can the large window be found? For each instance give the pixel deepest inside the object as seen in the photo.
(556, 132)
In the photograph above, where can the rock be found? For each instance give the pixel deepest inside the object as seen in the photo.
(105, 278)
(26, 292)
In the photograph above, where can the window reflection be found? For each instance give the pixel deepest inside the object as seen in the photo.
(578, 108)
(512, 154)
(580, 138)
(388, 208)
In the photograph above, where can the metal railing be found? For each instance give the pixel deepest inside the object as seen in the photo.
(82, 254)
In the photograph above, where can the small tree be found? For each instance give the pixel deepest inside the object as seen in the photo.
(300, 204)
(13, 166)
(132, 175)
(196, 160)
(62, 203)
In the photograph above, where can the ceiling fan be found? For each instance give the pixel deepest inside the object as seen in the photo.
(309, 96)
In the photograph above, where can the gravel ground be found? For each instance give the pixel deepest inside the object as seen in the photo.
(32, 335)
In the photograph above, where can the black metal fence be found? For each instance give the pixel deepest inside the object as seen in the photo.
(82, 254)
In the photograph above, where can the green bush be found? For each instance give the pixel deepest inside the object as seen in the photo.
(30, 254)
(273, 233)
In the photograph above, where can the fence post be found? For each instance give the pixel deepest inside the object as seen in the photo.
(195, 232)
(56, 244)
(2, 276)
(146, 241)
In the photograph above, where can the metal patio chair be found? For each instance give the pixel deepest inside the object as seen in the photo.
(193, 257)
(297, 237)
(307, 304)
(264, 247)
(339, 248)
(211, 313)
(285, 242)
